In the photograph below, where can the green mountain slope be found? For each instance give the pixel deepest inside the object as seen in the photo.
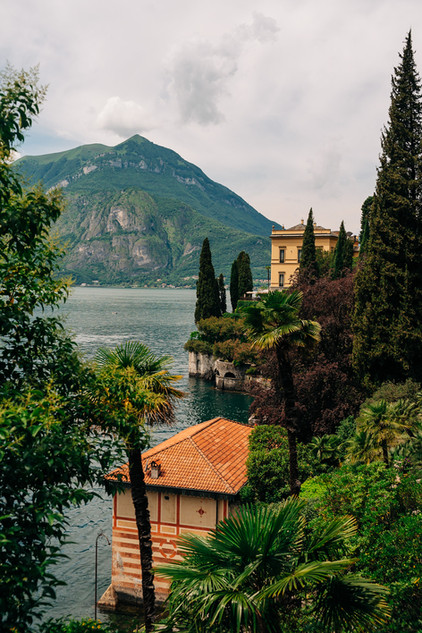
(138, 212)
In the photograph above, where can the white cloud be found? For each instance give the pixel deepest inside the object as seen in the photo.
(124, 118)
(200, 72)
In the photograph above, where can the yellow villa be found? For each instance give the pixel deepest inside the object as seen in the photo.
(286, 250)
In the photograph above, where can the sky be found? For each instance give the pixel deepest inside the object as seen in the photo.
(282, 101)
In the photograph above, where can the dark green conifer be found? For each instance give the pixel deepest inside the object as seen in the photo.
(364, 225)
(348, 254)
(308, 259)
(340, 253)
(222, 294)
(234, 285)
(207, 298)
(388, 290)
(245, 281)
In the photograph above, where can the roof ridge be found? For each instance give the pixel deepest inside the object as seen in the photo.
(204, 425)
(233, 491)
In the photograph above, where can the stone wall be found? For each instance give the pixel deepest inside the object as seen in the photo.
(226, 375)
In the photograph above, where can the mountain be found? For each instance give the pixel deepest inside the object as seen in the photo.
(138, 212)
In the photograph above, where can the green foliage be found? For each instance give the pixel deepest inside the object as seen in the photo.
(244, 281)
(386, 503)
(234, 284)
(224, 338)
(268, 464)
(50, 456)
(364, 226)
(308, 261)
(343, 254)
(273, 323)
(207, 295)
(381, 426)
(393, 391)
(388, 307)
(48, 459)
(76, 626)
(222, 294)
(261, 567)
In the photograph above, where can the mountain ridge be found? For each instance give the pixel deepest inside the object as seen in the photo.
(129, 208)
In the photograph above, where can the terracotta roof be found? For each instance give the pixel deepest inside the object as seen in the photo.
(209, 457)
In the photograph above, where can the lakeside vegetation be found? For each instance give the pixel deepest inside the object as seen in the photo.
(340, 422)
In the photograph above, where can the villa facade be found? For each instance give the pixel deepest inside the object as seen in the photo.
(286, 250)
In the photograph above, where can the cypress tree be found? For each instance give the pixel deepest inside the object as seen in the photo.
(207, 298)
(222, 294)
(234, 285)
(308, 260)
(364, 225)
(348, 254)
(245, 281)
(340, 253)
(388, 289)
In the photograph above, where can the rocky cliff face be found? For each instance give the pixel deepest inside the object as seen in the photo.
(138, 212)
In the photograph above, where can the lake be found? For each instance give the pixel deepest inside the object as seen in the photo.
(163, 320)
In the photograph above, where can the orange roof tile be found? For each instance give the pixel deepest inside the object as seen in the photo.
(209, 457)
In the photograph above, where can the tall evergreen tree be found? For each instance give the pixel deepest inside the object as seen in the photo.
(207, 298)
(388, 307)
(364, 225)
(222, 294)
(234, 285)
(308, 260)
(245, 281)
(340, 253)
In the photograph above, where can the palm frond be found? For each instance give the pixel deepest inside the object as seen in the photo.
(306, 574)
(349, 602)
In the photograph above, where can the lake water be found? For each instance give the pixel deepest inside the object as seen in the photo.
(163, 320)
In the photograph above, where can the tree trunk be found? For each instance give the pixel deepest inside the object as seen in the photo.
(285, 377)
(384, 447)
(140, 503)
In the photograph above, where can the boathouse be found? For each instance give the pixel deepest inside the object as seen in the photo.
(193, 480)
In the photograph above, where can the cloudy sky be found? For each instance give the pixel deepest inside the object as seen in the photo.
(282, 101)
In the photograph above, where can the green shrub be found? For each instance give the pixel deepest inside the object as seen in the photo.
(76, 626)
(268, 464)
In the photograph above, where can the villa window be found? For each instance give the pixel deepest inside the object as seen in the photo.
(281, 255)
(299, 254)
(281, 280)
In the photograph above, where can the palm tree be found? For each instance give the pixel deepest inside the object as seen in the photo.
(137, 388)
(385, 425)
(261, 565)
(273, 323)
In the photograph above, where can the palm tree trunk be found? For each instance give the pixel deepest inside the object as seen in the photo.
(384, 447)
(140, 503)
(285, 377)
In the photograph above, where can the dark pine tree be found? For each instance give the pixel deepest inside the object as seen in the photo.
(364, 226)
(234, 285)
(207, 298)
(340, 253)
(388, 305)
(348, 255)
(308, 259)
(222, 294)
(244, 281)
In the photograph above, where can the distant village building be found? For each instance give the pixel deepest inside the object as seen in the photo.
(193, 480)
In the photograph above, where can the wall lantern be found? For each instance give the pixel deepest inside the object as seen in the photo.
(155, 470)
